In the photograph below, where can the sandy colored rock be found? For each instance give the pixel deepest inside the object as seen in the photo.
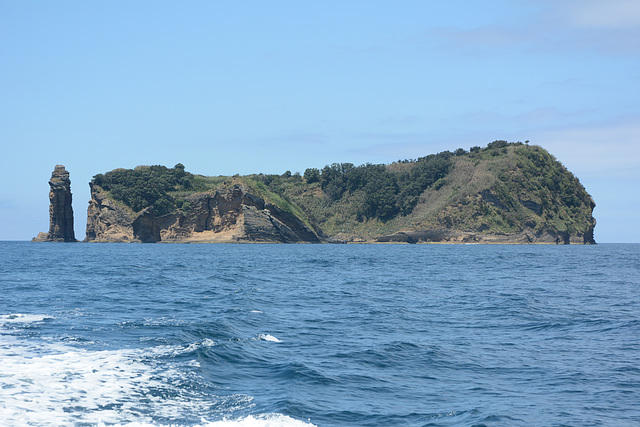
(107, 221)
(230, 214)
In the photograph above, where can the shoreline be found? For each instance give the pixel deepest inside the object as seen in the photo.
(372, 242)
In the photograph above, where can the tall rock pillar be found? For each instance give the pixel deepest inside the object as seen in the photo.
(60, 210)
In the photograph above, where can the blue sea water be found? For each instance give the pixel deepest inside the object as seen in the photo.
(326, 335)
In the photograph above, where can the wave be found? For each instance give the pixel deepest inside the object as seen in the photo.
(23, 318)
(51, 382)
(262, 420)
(267, 337)
(267, 420)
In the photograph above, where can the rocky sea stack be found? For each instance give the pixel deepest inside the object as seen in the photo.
(60, 209)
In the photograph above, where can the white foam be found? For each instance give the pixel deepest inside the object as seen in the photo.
(267, 420)
(45, 383)
(207, 342)
(268, 337)
(172, 350)
(23, 318)
(263, 420)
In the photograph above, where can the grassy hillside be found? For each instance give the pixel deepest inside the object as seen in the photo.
(500, 189)
(504, 188)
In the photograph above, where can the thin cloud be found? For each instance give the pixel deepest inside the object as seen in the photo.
(612, 14)
(606, 150)
(608, 28)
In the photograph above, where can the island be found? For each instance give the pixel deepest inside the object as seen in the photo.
(506, 192)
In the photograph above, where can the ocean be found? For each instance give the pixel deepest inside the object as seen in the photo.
(324, 335)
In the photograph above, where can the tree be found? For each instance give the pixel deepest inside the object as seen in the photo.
(146, 186)
(311, 175)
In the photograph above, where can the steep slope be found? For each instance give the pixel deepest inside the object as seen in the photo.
(522, 192)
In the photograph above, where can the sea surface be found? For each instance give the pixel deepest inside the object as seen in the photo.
(325, 335)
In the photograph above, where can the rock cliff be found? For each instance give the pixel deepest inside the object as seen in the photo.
(60, 209)
(228, 214)
(524, 236)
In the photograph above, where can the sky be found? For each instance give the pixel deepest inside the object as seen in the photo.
(254, 86)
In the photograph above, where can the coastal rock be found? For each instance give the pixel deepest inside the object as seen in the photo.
(60, 209)
(107, 221)
(455, 236)
(145, 227)
(230, 214)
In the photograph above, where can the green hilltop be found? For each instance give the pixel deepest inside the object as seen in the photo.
(484, 194)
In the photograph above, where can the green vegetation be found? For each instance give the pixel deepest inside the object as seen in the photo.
(147, 186)
(385, 192)
(281, 201)
(564, 202)
(502, 188)
(512, 186)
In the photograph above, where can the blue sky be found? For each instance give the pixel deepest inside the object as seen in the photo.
(255, 86)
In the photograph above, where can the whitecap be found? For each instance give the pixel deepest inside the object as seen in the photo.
(23, 318)
(268, 337)
(208, 342)
(173, 350)
(265, 420)
(55, 384)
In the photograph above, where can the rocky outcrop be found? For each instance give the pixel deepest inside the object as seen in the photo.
(107, 220)
(231, 214)
(60, 209)
(455, 236)
(145, 227)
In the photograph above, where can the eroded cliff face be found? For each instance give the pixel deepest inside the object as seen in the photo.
(455, 236)
(60, 209)
(107, 221)
(230, 214)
